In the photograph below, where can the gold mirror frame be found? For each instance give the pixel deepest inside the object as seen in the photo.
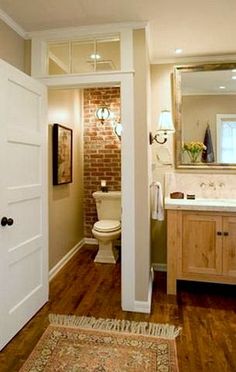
(178, 70)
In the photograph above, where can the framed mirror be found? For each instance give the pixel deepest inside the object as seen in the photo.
(205, 115)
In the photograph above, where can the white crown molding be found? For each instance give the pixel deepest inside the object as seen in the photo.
(11, 23)
(195, 59)
(73, 32)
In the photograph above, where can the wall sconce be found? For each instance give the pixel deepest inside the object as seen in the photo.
(117, 128)
(165, 126)
(102, 113)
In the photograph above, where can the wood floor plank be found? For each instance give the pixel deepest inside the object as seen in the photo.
(207, 314)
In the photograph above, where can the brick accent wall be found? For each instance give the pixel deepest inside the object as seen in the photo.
(102, 150)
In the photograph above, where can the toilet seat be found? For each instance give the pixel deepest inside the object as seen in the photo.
(107, 226)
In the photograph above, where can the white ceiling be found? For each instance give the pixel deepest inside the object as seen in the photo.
(201, 28)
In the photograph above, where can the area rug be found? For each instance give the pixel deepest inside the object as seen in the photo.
(74, 344)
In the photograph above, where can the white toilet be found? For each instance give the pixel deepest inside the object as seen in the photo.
(108, 227)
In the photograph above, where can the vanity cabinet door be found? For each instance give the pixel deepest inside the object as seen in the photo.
(202, 244)
(229, 246)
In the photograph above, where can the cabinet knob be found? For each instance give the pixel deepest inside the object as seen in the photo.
(219, 233)
(226, 233)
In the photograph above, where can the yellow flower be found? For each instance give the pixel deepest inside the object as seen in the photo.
(194, 149)
(194, 146)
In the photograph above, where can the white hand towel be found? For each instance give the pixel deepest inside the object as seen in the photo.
(157, 202)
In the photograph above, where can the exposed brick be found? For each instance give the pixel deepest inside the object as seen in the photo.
(102, 156)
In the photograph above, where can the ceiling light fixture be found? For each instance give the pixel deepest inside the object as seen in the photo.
(95, 56)
(234, 77)
(234, 70)
(221, 87)
(178, 51)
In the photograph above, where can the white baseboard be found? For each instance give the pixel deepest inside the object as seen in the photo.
(91, 241)
(65, 259)
(145, 306)
(159, 267)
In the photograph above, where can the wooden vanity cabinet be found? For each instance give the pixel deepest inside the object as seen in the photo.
(201, 246)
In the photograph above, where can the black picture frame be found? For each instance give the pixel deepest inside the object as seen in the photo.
(62, 154)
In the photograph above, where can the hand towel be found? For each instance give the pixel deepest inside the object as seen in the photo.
(208, 154)
(157, 202)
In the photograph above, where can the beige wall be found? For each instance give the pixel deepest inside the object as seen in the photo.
(161, 88)
(142, 216)
(11, 46)
(65, 201)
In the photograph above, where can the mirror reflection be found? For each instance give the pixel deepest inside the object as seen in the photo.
(205, 115)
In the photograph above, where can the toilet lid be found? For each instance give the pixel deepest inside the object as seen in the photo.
(107, 225)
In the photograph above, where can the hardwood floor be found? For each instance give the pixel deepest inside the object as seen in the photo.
(206, 312)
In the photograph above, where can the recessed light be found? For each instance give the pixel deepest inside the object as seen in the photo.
(95, 56)
(178, 51)
(234, 77)
(222, 87)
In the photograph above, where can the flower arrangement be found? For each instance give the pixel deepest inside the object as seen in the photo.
(194, 149)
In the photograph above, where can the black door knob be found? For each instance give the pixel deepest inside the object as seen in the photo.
(7, 221)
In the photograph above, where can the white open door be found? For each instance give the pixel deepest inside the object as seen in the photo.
(23, 200)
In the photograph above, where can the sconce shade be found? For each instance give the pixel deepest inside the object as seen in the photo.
(165, 123)
(103, 113)
(165, 127)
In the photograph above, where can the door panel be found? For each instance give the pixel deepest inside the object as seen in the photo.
(202, 247)
(23, 197)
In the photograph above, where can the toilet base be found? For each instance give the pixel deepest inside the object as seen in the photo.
(107, 252)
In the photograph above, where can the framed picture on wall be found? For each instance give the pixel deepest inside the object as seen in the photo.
(62, 154)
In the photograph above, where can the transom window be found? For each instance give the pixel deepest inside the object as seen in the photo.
(84, 56)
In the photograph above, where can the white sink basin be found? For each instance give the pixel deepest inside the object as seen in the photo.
(227, 205)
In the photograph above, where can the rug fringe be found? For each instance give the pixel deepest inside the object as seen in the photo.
(142, 328)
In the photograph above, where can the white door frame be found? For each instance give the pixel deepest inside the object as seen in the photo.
(126, 82)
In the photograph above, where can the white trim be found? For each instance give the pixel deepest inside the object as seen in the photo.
(126, 82)
(11, 23)
(219, 119)
(91, 241)
(128, 194)
(86, 80)
(55, 270)
(195, 59)
(75, 32)
(145, 306)
(159, 267)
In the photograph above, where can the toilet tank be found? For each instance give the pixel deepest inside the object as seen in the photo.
(108, 205)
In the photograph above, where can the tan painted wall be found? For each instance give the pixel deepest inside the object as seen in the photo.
(161, 99)
(27, 57)
(65, 201)
(11, 46)
(142, 210)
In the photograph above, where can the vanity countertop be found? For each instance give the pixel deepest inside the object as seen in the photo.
(224, 205)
